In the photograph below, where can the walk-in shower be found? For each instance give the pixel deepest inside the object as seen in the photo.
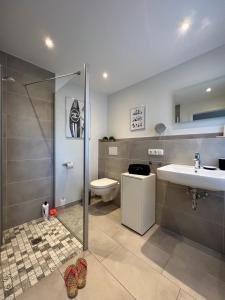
(73, 216)
(8, 79)
(34, 148)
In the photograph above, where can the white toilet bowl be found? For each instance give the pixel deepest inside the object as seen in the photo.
(106, 188)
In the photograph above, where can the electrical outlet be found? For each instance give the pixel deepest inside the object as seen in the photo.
(156, 152)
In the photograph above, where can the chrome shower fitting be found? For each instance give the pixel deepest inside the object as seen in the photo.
(8, 79)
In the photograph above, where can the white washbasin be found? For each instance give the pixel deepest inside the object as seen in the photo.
(205, 179)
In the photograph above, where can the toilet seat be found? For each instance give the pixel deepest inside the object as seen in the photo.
(103, 183)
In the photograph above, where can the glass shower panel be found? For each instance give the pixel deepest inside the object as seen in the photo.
(69, 153)
(43, 153)
(3, 213)
(1, 183)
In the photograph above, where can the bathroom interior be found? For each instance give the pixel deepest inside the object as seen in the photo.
(112, 121)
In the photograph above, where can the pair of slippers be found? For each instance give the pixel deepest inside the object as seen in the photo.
(75, 277)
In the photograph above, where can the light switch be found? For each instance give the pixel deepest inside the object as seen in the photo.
(113, 150)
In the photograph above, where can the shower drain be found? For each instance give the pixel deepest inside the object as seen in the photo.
(36, 241)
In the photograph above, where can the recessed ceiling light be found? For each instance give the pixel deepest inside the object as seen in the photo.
(105, 75)
(208, 90)
(49, 42)
(185, 26)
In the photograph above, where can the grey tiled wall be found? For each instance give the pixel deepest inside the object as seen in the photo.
(173, 204)
(28, 148)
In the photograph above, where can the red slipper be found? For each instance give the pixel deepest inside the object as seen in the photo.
(81, 266)
(71, 281)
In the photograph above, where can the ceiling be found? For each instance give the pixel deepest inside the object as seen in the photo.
(130, 39)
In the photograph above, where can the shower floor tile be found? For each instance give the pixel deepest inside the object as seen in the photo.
(31, 252)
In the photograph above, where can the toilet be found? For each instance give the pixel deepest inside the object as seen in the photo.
(106, 188)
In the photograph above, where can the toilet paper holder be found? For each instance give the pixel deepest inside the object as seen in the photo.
(68, 164)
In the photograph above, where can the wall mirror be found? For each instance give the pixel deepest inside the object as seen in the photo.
(205, 100)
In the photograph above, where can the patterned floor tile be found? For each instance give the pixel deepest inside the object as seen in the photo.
(23, 264)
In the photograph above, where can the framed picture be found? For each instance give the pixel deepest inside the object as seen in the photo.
(74, 118)
(137, 118)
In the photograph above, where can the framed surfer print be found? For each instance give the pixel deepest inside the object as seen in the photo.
(74, 118)
(137, 118)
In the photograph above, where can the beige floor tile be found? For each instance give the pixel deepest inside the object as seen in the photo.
(100, 244)
(104, 224)
(135, 243)
(115, 215)
(201, 258)
(138, 277)
(72, 261)
(184, 296)
(194, 281)
(212, 288)
(101, 285)
(51, 287)
(165, 240)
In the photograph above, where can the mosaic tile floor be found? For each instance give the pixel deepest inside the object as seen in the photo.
(23, 264)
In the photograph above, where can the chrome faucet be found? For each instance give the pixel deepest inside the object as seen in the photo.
(197, 161)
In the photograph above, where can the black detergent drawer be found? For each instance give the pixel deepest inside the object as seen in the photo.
(139, 169)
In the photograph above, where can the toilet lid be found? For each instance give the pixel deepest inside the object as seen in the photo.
(103, 182)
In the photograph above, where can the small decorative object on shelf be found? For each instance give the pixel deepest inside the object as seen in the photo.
(160, 128)
(112, 139)
(105, 139)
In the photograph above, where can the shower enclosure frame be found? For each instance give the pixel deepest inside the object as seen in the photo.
(85, 151)
(86, 155)
(1, 155)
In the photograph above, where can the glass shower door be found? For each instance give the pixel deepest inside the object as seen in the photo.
(71, 154)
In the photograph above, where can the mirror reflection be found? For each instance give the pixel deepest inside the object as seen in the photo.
(202, 101)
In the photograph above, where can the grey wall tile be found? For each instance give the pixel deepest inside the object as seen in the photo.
(116, 165)
(3, 62)
(122, 148)
(29, 169)
(181, 151)
(5, 216)
(212, 149)
(20, 106)
(40, 91)
(2, 58)
(28, 128)
(26, 144)
(101, 165)
(139, 150)
(29, 148)
(4, 125)
(43, 90)
(102, 146)
(26, 191)
(177, 197)
(26, 67)
(25, 212)
(196, 229)
(161, 192)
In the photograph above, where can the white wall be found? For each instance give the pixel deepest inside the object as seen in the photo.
(156, 93)
(68, 183)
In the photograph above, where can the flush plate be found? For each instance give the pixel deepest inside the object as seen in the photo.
(113, 150)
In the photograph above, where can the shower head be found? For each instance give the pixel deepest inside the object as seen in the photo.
(8, 79)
